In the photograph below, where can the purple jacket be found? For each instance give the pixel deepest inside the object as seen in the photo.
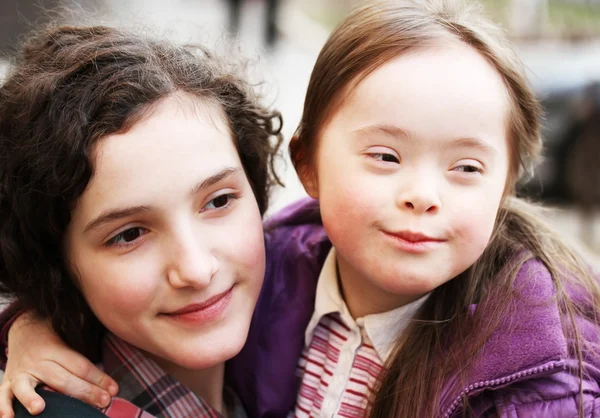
(524, 370)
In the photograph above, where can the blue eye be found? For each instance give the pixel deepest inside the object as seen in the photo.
(219, 202)
(126, 237)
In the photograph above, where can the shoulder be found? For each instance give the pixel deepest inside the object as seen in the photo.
(534, 281)
(296, 229)
(533, 330)
(529, 365)
(59, 406)
(539, 294)
(296, 245)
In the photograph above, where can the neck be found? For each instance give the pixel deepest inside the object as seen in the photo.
(207, 384)
(363, 297)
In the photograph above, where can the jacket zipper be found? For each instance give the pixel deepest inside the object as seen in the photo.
(486, 384)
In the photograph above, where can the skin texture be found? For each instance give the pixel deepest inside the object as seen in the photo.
(412, 149)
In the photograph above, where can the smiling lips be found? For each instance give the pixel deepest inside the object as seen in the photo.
(413, 242)
(206, 311)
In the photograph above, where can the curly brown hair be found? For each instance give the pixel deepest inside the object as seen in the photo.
(69, 87)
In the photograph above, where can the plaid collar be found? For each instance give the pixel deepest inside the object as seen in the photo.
(146, 391)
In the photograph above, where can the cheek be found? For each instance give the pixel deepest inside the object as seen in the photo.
(242, 242)
(344, 209)
(473, 221)
(250, 253)
(349, 198)
(118, 291)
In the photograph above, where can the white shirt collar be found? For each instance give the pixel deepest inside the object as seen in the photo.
(383, 329)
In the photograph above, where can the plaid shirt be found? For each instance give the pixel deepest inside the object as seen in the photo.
(146, 391)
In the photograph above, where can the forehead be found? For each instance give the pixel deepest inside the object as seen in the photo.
(450, 84)
(176, 145)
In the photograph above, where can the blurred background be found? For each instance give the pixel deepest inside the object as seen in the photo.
(559, 41)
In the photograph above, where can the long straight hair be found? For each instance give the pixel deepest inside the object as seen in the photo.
(444, 335)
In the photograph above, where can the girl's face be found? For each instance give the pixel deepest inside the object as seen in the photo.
(410, 172)
(166, 243)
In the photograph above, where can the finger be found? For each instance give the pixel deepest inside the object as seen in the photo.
(81, 367)
(63, 381)
(23, 386)
(6, 397)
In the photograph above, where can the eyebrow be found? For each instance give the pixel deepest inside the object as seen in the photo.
(390, 130)
(116, 214)
(475, 143)
(215, 178)
(399, 133)
(113, 215)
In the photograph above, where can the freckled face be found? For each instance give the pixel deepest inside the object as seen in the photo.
(166, 242)
(410, 172)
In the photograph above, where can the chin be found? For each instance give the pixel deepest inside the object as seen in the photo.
(208, 354)
(413, 284)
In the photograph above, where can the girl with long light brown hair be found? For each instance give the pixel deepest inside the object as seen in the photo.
(442, 293)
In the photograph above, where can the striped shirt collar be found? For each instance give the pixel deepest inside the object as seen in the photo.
(146, 390)
(382, 329)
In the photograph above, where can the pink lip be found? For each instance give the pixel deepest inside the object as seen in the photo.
(413, 242)
(206, 311)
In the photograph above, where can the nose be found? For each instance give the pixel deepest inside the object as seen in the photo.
(419, 197)
(192, 263)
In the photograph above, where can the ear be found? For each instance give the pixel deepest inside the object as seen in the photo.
(304, 167)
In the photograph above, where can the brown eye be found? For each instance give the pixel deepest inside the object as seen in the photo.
(389, 158)
(131, 234)
(219, 202)
(126, 237)
(386, 157)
